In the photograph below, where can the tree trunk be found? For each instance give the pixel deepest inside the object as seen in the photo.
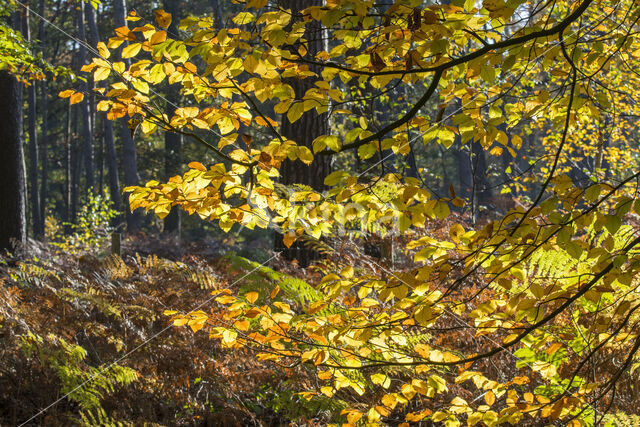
(172, 140)
(13, 224)
(75, 164)
(34, 197)
(87, 138)
(304, 131)
(44, 111)
(67, 168)
(129, 156)
(217, 14)
(109, 144)
(481, 190)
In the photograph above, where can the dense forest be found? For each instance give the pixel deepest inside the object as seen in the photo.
(319, 212)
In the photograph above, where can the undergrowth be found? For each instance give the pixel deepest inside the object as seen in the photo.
(74, 326)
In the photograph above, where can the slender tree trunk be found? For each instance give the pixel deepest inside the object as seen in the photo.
(93, 39)
(109, 143)
(481, 190)
(173, 141)
(87, 138)
(67, 168)
(13, 224)
(44, 111)
(34, 197)
(75, 164)
(129, 155)
(304, 131)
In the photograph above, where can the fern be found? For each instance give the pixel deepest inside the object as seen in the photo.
(82, 384)
(31, 274)
(263, 280)
(99, 417)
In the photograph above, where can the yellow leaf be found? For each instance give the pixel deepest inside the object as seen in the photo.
(66, 93)
(252, 297)
(133, 16)
(295, 112)
(389, 400)
(103, 50)
(180, 321)
(381, 380)
(325, 375)
(490, 398)
(131, 50)
(242, 325)
(101, 73)
(455, 232)
(229, 336)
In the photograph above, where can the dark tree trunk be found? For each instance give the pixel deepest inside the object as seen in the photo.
(464, 172)
(44, 110)
(129, 155)
(68, 217)
(109, 144)
(87, 139)
(304, 131)
(217, 14)
(75, 164)
(481, 184)
(44, 146)
(13, 224)
(173, 141)
(34, 197)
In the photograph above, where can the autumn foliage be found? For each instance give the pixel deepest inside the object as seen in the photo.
(508, 318)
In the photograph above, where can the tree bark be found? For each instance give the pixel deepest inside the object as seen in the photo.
(13, 224)
(75, 163)
(44, 111)
(129, 155)
(109, 143)
(87, 138)
(34, 197)
(304, 130)
(217, 14)
(67, 168)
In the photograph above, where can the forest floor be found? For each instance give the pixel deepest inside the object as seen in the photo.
(83, 338)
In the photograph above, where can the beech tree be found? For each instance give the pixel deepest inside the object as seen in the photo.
(553, 282)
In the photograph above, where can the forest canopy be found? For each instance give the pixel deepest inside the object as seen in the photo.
(450, 190)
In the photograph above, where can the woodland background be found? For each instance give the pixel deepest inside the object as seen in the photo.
(71, 304)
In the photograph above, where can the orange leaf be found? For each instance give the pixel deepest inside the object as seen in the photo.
(275, 291)
(197, 165)
(163, 18)
(124, 33)
(521, 380)
(66, 93)
(241, 325)
(76, 98)
(288, 239)
(158, 37)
